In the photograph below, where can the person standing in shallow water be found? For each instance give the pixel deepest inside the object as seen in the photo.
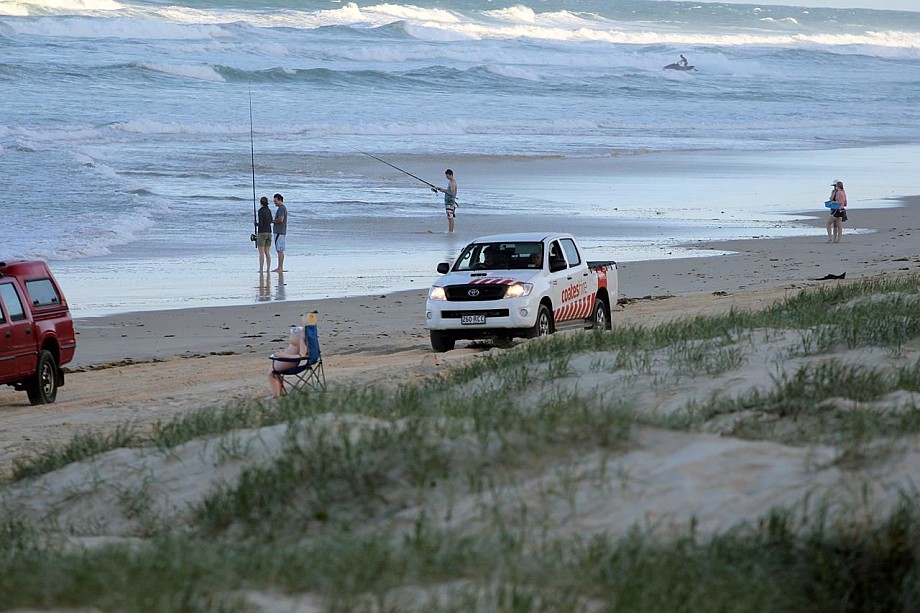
(280, 229)
(450, 199)
(264, 236)
(838, 215)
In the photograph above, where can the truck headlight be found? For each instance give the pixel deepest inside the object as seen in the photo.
(437, 293)
(518, 289)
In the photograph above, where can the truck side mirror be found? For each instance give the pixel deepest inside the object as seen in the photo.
(443, 268)
(556, 265)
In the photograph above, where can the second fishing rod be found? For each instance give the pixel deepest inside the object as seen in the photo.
(252, 157)
(433, 187)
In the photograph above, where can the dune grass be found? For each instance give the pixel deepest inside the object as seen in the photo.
(82, 445)
(343, 513)
(777, 563)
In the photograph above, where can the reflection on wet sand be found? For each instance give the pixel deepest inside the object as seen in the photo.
(279, 289)
(265, 287)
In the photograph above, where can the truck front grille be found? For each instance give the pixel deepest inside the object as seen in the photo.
(488, 313)
(467, 293)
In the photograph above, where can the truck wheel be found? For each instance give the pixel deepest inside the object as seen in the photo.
(442, 341)
(601, 317)
(544, 324)
(42, 389)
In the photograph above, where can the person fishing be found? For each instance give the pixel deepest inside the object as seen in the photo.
(450, 192)
(450, 199)
(264, 235)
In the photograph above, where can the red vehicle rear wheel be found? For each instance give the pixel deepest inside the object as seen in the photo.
(42, 389)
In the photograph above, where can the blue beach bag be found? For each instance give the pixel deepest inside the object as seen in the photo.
(831, 204)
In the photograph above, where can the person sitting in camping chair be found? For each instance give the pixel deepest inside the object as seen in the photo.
(288, 359)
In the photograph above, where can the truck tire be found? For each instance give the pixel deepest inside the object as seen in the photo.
(544, 324)
(601, 316)
(442, 341)
(42, 389)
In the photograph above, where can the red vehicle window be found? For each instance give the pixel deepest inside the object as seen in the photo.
(42, 293)
(13, 304)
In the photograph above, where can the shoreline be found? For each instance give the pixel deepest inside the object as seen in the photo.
(756, 263)
(388, 233)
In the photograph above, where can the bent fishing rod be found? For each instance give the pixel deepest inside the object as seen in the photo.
(252, 155)
(405, 172)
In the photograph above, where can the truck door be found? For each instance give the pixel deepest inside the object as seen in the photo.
(17, 345)
(558, 279)
(578, 285)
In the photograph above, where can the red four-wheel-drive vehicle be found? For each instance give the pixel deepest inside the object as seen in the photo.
(36, 330)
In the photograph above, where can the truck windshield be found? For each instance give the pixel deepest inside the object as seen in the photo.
(501, 256)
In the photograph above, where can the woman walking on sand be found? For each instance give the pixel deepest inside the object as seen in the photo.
(838, 215)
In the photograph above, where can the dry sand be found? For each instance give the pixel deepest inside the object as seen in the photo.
(149, 366)
(185, 360)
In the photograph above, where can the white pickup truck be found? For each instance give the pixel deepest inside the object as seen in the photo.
(519, 285)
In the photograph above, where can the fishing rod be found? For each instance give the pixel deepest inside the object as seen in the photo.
(434, 187)
(252, 155)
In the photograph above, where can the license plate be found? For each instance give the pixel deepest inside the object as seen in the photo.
(472, 319)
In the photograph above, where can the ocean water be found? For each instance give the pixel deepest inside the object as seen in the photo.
(130, 132)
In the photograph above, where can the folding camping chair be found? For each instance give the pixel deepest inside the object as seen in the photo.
(309, 371)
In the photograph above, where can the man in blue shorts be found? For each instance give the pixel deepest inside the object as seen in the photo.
(280, 229)
(450, 199)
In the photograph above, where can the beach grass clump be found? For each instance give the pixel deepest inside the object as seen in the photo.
(208, 422)
(328, 473)
(694, 358)
(83, 445)
(778, 562)
(813, 383)
(184, 428)
(883, 312)
(195, 424)
(825, 402)
(167, 575)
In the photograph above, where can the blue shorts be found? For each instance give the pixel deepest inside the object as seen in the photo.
(279, 243)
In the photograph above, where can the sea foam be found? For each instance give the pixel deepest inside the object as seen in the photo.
(117, 28)
(26, 7)
(148, 126)
(514, 14)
